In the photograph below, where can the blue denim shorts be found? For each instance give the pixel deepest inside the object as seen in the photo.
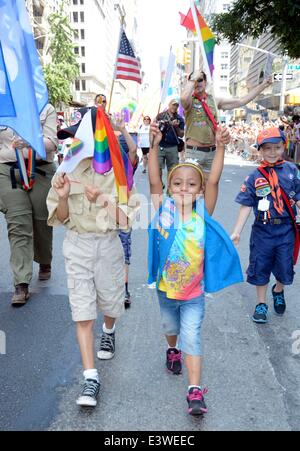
(183, 318)
(125, 238)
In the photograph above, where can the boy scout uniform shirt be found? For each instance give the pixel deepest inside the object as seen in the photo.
(289, 179)
(84, 216)
(48, 123)
(197, 124)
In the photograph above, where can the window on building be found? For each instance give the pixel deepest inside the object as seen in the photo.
(83, 85)
(75, 16)
(224, 77)
(82, 2)
(81, 16)
(77, 85)
(82, 51)
(75, 2)
(226, 6)
(224, 66)
(224, 55)
(82, 34)
(83, 68)
(76, 50)
(76, 34)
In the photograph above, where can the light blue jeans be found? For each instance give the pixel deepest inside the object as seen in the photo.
(183, 318)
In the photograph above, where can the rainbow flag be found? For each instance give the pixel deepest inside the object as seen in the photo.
(108, 154)
(207, 35)
(74, 149)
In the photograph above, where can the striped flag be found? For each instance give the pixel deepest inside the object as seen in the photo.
(207, 38)
(128, 66)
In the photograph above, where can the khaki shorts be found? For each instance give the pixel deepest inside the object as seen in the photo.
(95, 273)
(205, 159)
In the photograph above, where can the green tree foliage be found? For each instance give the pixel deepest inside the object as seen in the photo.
(254, 17)
(64, 68)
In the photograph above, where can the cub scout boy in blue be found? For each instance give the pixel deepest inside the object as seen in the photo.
(189, 253)
(272, 239)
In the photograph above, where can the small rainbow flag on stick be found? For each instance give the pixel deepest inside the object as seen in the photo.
(108, 154)
(207, 36)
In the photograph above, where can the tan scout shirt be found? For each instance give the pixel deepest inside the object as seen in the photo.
(84, 216)
(197, 124)
(49, 127)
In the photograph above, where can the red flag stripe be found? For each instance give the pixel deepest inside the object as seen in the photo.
(127, 69)
(129, 77)
(128, 60)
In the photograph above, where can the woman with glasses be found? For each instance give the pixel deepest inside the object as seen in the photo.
(144, 140)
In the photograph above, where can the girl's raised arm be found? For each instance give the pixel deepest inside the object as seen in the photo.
(212, 184)
(156, 188)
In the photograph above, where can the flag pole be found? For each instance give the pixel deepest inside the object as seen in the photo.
(207, 70)
(115, 69)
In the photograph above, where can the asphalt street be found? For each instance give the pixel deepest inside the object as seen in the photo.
(251, 371)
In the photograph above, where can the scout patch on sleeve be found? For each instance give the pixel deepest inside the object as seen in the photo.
(262, 187)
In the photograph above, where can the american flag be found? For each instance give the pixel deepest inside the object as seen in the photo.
(128, 66)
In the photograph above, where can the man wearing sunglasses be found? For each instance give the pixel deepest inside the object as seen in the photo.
(201, 116)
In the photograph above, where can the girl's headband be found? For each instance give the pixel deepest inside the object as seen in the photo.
(189, 165)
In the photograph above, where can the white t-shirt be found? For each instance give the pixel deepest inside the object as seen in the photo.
(143, 136)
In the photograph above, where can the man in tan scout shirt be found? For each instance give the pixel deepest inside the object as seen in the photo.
(87, 204)
(201, 116)
(30, 237)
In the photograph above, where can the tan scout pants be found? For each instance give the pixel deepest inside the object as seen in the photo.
(26, 214)
(96, 274)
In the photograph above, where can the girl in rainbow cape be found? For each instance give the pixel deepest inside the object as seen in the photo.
(189, 253)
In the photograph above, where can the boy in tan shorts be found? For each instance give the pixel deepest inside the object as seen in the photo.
(86, 203)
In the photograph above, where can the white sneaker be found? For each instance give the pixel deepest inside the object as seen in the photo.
(107, 346)
(89, 394)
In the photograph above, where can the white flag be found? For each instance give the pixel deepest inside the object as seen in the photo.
(82, 146)
(169, 73)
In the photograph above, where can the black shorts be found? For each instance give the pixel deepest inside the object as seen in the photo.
(145, 150)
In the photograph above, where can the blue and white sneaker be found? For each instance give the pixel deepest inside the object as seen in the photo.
(90, 392)
(260, 313)
(279, 301)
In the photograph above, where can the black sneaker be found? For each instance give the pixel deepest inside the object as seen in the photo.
(90, 391)
(279, 301)
(195, 401)
(127, 301)
(260, 313)
(107, 346)
(174, 361)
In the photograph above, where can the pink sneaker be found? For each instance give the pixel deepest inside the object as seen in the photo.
(174, 361)
(195, 401)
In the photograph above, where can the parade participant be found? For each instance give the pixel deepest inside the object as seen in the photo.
(201, 116)
(271, 191)
(129, 146)
(144, 140)
(172, 126)
(88, 202)
(189, 253)
(100, 99)
(25, 210)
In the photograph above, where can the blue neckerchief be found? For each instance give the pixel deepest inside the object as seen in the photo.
(221, 262)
